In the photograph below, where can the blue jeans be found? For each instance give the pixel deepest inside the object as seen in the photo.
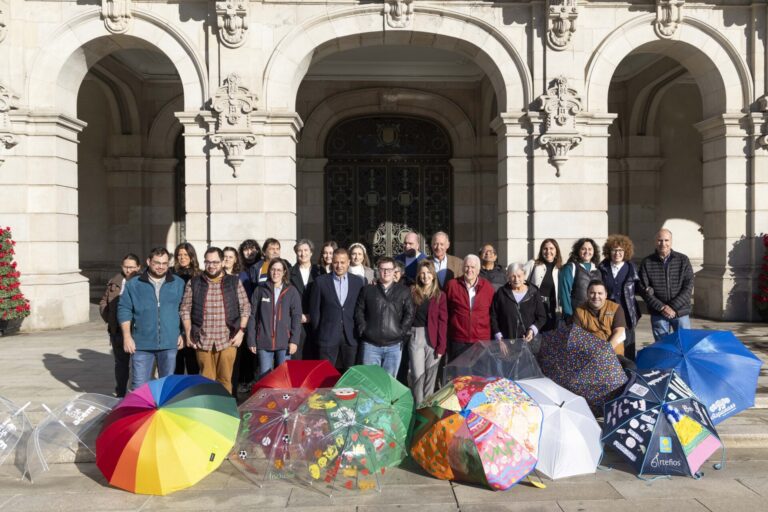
(143, 361)
(662, 326)
(268, 359)
(387, 357)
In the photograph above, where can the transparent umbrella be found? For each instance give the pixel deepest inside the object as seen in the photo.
(13, 425)
(511, 359)
(65, 429)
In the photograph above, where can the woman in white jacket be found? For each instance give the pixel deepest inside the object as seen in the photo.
(543, 273)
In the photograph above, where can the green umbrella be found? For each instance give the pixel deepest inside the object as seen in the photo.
(377, 383)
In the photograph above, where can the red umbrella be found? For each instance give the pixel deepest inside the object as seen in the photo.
(306, 374)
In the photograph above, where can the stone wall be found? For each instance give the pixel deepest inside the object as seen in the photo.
(544, 166)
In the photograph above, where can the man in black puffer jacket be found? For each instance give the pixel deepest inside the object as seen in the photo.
(383, 318)
(666, 285)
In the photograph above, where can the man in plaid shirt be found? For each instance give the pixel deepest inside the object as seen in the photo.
(215, 311)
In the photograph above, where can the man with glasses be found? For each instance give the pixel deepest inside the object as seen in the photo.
(148, 314)
(383, 318)
(215, 311)
(108, 309)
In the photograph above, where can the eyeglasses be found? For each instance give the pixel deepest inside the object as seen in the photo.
(386, 270)
(212, 263)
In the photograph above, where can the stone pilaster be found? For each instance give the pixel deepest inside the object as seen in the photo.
(514, 167)
(38, 200)
(724, 284)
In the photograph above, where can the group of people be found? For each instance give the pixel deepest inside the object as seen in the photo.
(247, 310)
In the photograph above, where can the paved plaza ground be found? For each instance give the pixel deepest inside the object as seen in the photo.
(51, 367)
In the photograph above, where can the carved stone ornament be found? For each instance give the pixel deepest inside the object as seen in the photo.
(232, 106)
(3, 20)
(561, 22)
(398, 13)
(117, 15)
(762, 139)
(232, 22)
(669, 16)
(7, 99)
(560, 105)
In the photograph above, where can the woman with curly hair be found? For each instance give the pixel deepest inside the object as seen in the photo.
(576, 275)
(620, 277)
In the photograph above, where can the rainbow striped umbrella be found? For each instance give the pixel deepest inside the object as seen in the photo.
(167, 435)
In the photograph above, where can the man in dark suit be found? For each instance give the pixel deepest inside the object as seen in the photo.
(332, 312)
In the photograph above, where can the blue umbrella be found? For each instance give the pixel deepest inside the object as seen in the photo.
(720, 370)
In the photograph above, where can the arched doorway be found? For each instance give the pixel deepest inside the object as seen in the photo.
(130, 159)
(386, 175)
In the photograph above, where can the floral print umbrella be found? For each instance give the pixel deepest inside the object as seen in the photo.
(481, 430)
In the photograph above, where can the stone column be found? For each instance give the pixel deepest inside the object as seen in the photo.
(196, 163)
(723, 286)
(38, 200)
(311, 198)
(514, 168)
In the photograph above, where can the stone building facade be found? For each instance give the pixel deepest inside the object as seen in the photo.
(126, 124)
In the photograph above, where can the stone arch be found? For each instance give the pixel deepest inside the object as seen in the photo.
(366, 101)
(123, 105)
(362, 26)
(165, 129)
(720, 72)
(54, 81)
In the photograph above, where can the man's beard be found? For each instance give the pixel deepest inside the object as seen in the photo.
(213, 276)
(410, 253)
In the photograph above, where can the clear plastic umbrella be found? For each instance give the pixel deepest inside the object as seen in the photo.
(13, 425)
(511, 359)
(67, 427)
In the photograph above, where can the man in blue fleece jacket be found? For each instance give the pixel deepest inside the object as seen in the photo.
(148, 313)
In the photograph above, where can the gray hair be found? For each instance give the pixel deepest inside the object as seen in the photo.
(514, 268)
(304, 241)
(441, 233)
(473, 258)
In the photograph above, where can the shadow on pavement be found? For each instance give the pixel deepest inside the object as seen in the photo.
(90, 372)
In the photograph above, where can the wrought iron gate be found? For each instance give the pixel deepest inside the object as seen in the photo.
(386, 176)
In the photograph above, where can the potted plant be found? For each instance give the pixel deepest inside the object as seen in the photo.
(761, 297)
(13, 306)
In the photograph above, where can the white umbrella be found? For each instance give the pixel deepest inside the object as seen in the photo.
(570, 436)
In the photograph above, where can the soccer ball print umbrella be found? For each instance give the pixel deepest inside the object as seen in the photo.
(482, 430)
(715, 364)
(262, 442)
(659, 425)
(167, 434)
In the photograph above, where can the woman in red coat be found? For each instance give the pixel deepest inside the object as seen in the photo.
(428, 331)
(469, 308)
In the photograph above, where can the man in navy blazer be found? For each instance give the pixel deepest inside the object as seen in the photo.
(332, 312)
